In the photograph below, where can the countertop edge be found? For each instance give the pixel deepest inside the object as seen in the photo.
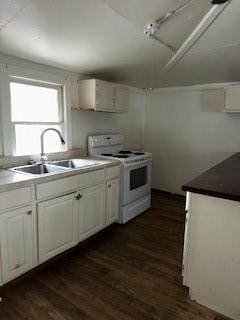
(27, 181)
(210, 193)
(220, 181)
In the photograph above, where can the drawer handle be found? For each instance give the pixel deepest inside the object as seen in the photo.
(29, 212)
(79, 196)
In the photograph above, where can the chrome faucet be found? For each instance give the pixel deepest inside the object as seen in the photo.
(43, 154)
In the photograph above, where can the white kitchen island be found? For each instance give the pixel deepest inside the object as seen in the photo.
(211, 260)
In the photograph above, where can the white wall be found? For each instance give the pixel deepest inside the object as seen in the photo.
(187, 134)
(85, 123)
(129, 124)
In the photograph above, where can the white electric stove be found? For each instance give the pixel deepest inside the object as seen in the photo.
(135, 180)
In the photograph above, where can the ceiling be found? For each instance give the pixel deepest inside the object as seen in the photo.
(105, 39)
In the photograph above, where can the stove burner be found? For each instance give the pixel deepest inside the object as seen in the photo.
(139, 153)
(121, 156)
(125, 152)
(107, 154)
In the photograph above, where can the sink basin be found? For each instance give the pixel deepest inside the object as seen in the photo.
(38, 169)
(75, 163)
(54, 167)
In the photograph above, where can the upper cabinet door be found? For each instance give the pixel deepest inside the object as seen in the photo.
(91, 211)
(104, 96)
(121, 99)
(98, 95)
(232, 99)
(16, 236)
(57, 226)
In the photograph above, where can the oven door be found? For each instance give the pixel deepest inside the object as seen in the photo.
(136, 181)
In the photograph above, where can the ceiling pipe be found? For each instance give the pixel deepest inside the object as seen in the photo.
(153, 28)
(219, 1)
(202, 27)
(169, 14)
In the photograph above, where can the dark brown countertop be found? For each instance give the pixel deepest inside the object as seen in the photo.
(222, 181)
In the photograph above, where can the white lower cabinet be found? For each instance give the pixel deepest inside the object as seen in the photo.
(16, 236)
(57, 226)
(91, 211)
(67, 220)
(112, 207)
(38, 231)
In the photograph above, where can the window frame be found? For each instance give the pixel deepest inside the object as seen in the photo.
(37, 78)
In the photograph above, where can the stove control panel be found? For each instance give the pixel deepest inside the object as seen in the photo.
(105, 140)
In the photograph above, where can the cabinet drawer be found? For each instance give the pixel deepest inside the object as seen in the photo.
(90, 178)
(15, 198)
(61, 186)
(49, 189)
(113, 172)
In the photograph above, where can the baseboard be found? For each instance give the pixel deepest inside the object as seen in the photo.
(168, 193)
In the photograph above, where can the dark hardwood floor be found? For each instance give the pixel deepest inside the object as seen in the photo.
(129, 272)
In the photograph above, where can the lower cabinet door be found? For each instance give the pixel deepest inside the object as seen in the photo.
(112, 201)
(57, 226)
(91, 211)
(16, 238)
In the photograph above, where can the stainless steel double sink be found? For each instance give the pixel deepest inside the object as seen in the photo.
(54, 167)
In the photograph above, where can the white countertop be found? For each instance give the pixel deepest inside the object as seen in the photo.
(11, 180)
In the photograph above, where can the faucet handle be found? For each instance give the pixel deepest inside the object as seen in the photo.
(30, 162)
(44, 158)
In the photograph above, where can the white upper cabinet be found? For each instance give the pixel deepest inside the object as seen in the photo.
(98, 95)
(121, 99)
(232, 99)
(104, 96)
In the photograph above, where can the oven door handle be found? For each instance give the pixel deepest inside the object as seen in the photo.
(127, 165)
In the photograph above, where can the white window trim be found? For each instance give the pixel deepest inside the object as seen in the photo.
(2, 68)
(10, 72)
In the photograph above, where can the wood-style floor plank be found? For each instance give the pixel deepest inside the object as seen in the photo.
(129, 272)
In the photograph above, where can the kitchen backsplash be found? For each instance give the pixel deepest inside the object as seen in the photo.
(7, 162)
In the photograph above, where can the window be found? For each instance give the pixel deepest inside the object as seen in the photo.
(34, 107)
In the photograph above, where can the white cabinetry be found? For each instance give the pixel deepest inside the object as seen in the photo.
(39, 222)
(57, 226)
(91, 211)
(15, 198)
(112, 206)
(121, 99)
(232, 99)
(104, 96)
(16, 237)
(66, 185)
(186, 238)
(98, 95)
(212, 255)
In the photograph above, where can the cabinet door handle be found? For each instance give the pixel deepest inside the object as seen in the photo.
(109, 186)
(79, 196)
(29, 212)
